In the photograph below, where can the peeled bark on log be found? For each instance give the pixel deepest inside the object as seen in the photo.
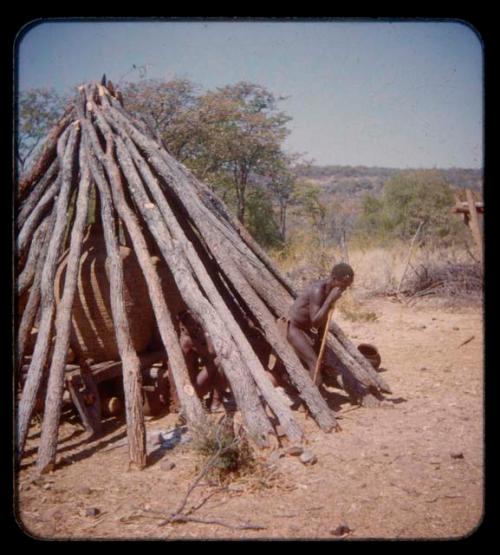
(192, 406)
(33, 302)
(55, 387)
(36, 194)
(132, 380)
(26, 234)
(260, 376)
(38, 360)
(47, 154)
(218, 245)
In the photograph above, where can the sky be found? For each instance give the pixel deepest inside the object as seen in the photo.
(400, 94)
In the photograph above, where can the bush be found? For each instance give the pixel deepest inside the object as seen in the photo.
(409, 199)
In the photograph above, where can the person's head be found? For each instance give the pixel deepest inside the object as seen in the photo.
(342, 275)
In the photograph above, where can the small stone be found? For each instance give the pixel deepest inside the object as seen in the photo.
(294, 450)
(457, 455)
(275, 456)
(423, 327)
(308, 457)
(455, 328)
(167, 465)
(92, 511)
(341, 530)
(46, 486)
(84, 490)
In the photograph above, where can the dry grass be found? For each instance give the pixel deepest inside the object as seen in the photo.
(448, 273)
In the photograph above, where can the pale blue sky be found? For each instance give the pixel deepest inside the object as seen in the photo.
(396, 94)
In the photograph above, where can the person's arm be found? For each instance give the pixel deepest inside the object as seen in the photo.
(319, 308)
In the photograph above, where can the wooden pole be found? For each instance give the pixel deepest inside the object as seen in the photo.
(36, 194)
(474, 224)
(132, 381)
(26, 277)
(31, 308)
(47, 154)
(35, 371)
(323, 344)
(55, 387)
(26, 234)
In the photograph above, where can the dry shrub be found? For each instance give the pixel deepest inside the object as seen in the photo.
(226, 454)
(446, 279)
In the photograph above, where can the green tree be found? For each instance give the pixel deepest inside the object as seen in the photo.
(38, 110)
(409, 199)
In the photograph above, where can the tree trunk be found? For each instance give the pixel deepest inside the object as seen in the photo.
(55, 387)
(38, 360)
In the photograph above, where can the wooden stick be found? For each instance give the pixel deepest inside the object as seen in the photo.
(323, 344)
(474, 225)
(38, 360)
(27, 231)
(410, 252)
(47, 154)
(27, 276)
(55, 387)
(36, 194)
(31, 308)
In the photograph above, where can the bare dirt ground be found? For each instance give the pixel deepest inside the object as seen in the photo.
(410, 470)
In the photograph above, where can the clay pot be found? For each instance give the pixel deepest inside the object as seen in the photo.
(371, 354)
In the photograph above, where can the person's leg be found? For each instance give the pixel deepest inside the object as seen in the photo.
(302, 346)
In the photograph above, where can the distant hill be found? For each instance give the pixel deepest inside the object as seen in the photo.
(354, 181)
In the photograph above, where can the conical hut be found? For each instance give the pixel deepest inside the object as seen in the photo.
(170, 221)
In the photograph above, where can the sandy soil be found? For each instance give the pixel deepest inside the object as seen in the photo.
(413, 469)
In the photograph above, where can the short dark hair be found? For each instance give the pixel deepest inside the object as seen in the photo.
(342, 270)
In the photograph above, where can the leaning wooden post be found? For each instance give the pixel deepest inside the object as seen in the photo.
(35, 371)
(26, 234)
(36, 194)
(31, 308)
(192, 406)
(55, 387)
(132, 381)
(474, 224)
(25, 278)
(47, 154)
